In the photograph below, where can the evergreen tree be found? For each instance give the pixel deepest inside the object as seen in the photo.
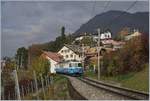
(22, 57)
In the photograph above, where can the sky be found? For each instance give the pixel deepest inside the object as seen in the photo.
(28, 22)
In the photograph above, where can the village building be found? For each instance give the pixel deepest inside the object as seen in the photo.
(53, 58)
(117, 45)
(71, 52)
(134, 34)
(112, 44)
(103, 36)
(79, 38)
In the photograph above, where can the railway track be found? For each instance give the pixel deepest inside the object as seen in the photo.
(131, 94)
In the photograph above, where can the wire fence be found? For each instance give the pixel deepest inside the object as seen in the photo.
(26, 87)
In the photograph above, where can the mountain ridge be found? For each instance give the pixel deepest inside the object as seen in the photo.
(114, 21)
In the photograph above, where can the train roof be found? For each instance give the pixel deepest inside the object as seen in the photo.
(70, 61)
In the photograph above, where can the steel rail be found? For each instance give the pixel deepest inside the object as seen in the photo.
(129, 93)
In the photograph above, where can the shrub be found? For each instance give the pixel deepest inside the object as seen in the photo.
(130, 58)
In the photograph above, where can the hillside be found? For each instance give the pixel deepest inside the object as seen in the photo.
(134, 80)
(138, 20)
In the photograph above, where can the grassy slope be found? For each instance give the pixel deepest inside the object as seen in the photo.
(138, 80)
(61, 91)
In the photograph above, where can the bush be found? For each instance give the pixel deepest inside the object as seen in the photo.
(131, 57)
(41, 66)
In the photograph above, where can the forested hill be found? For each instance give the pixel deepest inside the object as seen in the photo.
(110, 20)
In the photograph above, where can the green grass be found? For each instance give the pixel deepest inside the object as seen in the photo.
(138, 81)
(90, 74)
(61, 88)
(134, 80)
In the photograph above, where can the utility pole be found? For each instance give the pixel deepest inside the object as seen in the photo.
(17, 85)
(83, 56)
(98, 49)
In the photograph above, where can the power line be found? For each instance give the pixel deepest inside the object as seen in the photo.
(111, 22)
(93, 8)
(107, 4)
(94, 5)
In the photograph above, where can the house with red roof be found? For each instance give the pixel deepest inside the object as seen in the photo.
(53, 58)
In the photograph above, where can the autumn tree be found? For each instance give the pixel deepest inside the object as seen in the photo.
(131, 57)
(40, 66)
(87, 40)
(121, 34)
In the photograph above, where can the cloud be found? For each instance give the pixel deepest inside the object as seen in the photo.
(24, 23)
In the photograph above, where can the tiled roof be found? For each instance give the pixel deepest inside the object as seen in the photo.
(54, 56)
(113, 42)
(74, 48)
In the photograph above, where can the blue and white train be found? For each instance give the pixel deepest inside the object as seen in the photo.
(73, 68)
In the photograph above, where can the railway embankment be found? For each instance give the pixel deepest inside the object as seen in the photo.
(92, 93)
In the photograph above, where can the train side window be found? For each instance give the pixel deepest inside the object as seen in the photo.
(69, 64)
(76, 64)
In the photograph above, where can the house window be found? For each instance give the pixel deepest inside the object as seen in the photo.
(68, 50)
(71, 55)
(62, 51)
(66, 56)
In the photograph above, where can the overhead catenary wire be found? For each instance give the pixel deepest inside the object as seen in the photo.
(107, 4)
(94, 6)
(117, 17)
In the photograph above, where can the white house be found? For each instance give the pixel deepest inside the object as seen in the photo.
(135, 33)
(103, 36)
(53, 58)
(79, 38)
(118, 44)
(71, 52)
(112, 44)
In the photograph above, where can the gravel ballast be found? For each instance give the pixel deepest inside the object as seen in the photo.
(93, 93)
